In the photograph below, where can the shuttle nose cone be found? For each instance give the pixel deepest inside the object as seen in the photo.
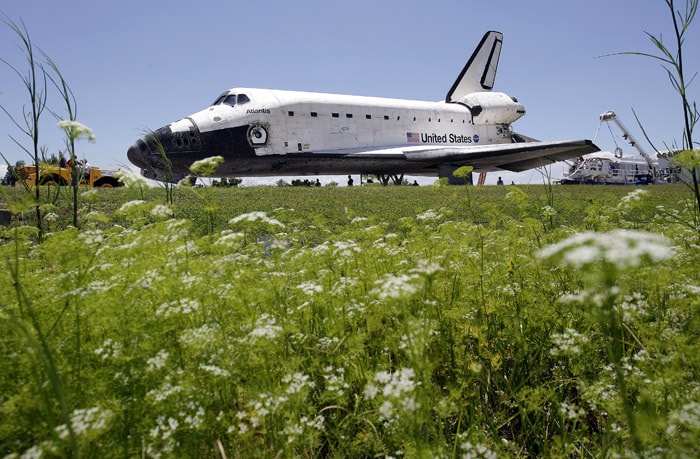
(148, 151)
(135, 154)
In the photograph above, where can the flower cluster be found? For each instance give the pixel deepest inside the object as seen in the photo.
(567, 343)
(265, 328)
(132, 179)
(86, 422)
(335, 380)
(76, 130)
(392, 286)
(161, 211)
(632, 307)
(109, 350)
(622, 248)
(297, 381)
(293, 430)
(471, 451)
(207, 166)
(255, 216)
(199, 338)
(631, 198)
(157, 362)
(181, 306)
(397, 391)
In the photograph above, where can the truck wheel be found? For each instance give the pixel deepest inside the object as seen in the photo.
(53, 180)
(107, 183)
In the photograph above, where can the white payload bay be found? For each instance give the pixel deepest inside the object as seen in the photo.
(264, 132)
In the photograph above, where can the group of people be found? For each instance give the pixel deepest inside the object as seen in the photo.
(82, 165)
(351, 182)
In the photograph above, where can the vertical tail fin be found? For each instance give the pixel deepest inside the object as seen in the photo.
(479, 73)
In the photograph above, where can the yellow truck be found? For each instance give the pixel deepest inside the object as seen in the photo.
(61, 176)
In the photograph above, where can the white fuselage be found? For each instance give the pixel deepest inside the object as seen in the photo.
(298, 122)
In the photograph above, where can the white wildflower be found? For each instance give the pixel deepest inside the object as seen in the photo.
(396, 390)
(354, 308)
(177, 229)
(426, 267)
(429, 215)
(130, 205)
(84, 421)
(213, 369)
(109, 350)
(157, 362)
(310, 287)
(91, 237)
(632, 307)
(180, 306)
(255, 216)
(688, 417)
(265, 328)
(570, 411)
(325, 342)
(397, 383)
(164, 391)
(199, 338)
(386, 410)
(409, 403)
(479, 451)
(345, 248)
(292, 431)
(371, 391)
(76, 130)
(188, 281)
(335, 380)
(148, 279)
(165, 428)
(296, 382)
(632, 197)
(548, 211)
(227, 238)
(623, 248)
(161, 211)
(206, 167)
(51, 217)
(392, 286)
(35, 452)
(132, 179)
(343, 285)
(195, 418)
(568, 342)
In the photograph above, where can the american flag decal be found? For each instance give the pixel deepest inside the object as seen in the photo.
(413, 137)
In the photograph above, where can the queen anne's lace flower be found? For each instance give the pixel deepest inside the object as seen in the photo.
(622, 248)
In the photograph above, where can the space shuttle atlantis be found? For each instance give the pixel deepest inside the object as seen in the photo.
(264, 132)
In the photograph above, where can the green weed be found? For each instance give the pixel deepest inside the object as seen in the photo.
(364, 322)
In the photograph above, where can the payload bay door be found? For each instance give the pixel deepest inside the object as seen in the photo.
(299, 132)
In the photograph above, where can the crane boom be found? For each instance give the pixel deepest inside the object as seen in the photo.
(611, 116)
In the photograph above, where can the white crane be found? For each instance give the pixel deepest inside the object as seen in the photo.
(611, 116)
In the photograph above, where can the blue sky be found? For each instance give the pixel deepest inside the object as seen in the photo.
(140, 65)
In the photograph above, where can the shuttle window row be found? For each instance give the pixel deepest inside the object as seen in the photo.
(369, 117)
(232, 99)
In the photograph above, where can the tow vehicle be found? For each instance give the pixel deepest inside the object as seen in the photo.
(62, 176)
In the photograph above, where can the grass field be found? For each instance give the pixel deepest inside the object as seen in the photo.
(510, 321)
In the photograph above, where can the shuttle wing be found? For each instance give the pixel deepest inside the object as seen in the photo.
(515, 157)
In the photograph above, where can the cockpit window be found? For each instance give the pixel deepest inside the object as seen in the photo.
(230, 100)
(219, 99)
